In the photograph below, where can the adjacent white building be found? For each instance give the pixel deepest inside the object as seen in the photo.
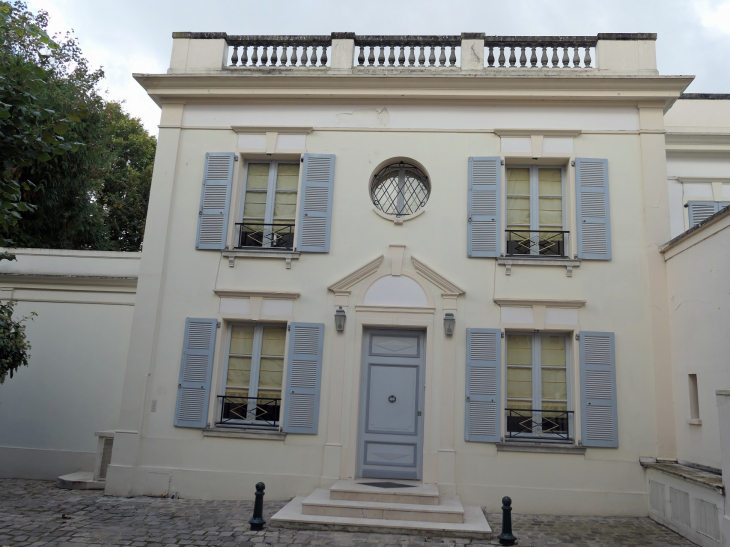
(433, 259)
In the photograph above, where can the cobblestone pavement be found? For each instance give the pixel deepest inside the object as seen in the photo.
(37, 513)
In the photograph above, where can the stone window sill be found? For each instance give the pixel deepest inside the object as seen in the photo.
(398, 220)
(694, 421)
(567, 263)
(231, 255)
(548, 448)
(245, 433)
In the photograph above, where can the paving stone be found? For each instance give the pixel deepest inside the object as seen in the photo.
(39, 514)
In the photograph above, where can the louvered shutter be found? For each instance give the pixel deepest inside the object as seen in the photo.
(483, 391)
(484, 206)
(215, 200)
(701, 210)
(599, 423)
(303, 376)
(594, 225)
(315, 207)
(193, 389)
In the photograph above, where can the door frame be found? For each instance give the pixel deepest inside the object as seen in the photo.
(365, 385)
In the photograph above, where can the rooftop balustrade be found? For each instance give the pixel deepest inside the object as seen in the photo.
(350, 53)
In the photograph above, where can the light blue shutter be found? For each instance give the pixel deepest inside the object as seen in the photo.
(215, 201)
(315, 207)
(483, 386)
(484, 206)
(193, 389)
(701, 210)
(594, 223)
(599, 423)
(303, 376)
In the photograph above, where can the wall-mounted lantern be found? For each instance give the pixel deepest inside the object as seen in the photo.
(449, 322)
(340, 319)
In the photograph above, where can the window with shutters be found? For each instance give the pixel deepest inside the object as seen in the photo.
(536, 212)
(538, 387)
(698, 211)
(269, 205)
(253, 375)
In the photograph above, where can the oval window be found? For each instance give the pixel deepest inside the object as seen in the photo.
(400, 189)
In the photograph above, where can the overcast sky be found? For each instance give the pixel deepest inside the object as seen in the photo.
(126, 36)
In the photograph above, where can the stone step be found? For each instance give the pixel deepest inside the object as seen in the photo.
(474, 526)
(82, 480)
(319, 503)
(412, 492)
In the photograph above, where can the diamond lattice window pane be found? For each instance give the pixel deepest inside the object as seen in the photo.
(400, 189)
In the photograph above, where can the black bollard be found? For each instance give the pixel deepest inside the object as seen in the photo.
(257, 522)
(506, 537)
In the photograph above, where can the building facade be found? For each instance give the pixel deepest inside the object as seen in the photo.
(418, 258)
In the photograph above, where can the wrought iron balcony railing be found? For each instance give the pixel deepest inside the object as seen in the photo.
(253, 411)
(547, 243)
(269, 236)
(543, 425)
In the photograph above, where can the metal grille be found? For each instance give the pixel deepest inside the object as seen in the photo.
(255, 411)
(400, 189)
(530, 423)
(257, 234)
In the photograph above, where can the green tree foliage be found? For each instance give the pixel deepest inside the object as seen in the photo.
(14, 347)
(96, 197)
(30, 133)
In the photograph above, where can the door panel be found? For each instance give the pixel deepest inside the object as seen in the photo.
(391, 404)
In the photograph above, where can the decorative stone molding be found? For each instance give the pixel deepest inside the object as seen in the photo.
(398, 220)
(447, 287)
(275, 295)
(288, 256)
(569, 263)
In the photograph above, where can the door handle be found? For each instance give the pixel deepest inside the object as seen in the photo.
(391, 399)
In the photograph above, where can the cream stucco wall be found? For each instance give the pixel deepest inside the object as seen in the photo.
(50, 410)
(155, 457)
(697, 269)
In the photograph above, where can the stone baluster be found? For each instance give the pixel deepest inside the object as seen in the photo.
(305, 58)
(576, 56)
(274, 58)
(442, 56)
(587, 57)
(381, 55)
(512, 58)
(555, 61)
(371, 56)
(533, 57)
(255, 55)
(523, 56)
(324, 55)
(490, 57)
(244, 55)
(361, 56)
(432, 56)
(452, 57)
(501, 55)
(422, 56)
(412, 55)
(544, 58)
(284, 54)
(402, 56)
(234, 57)
(265, 56)
(294, 54)
(391, 55)
(566, 59)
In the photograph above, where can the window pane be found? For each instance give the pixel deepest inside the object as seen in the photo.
(552, 350)
(287, 176)
(549, 405)
(258, 176)
(273, 341)
(553, 384)
(520, 405)
(255, 205)
(266, 405)
(239, 371)
(518, 181)
(236, 393)
(271, 373)
(242, 339)
(549, 182)
(519, 383)
(518, 211)
(519, 349)
(285, 205)
(551, 211)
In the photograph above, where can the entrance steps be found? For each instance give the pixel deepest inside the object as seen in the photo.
(411, 508)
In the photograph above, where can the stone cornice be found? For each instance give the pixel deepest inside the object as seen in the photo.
(346, 283)
(239, 293)
(446, 286)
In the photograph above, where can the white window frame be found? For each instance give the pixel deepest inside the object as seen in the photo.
(536, 367)
(270, 193)
(255, 369)
(535, 202)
